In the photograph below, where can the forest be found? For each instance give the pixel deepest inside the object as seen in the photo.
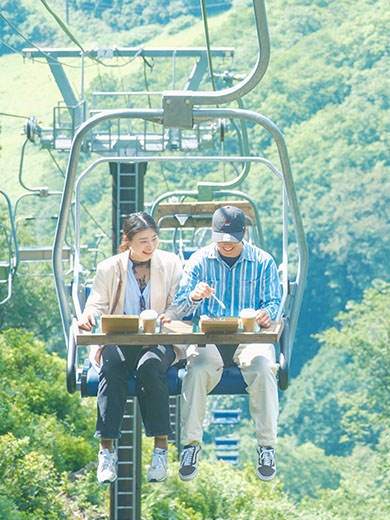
(326, 88)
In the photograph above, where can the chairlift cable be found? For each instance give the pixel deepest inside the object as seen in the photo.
(74, 39)
(35, 46)
(13, 115)
(21, 53)
(210, 64)
(82, 204)
(207, 36)
(118, 66)
(94, 220)
(36, 60)
(146, 82)
(56, 163)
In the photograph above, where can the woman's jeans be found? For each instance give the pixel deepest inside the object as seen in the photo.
(151, 389)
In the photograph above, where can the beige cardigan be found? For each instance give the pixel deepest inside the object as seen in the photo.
(107, 295)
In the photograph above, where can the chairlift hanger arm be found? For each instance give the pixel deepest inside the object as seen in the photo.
(170, 98)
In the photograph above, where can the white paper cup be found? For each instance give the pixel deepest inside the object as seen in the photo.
(248, 319)
(149, 320)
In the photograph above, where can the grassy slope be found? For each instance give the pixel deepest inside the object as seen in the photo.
(27, 88)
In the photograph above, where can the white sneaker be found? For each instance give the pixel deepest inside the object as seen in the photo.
(157, 471)
(107, 466)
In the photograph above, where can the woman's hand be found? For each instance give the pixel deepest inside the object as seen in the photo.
(87, 322)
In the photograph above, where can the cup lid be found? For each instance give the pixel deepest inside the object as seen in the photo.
(247, 313)
(149, 314)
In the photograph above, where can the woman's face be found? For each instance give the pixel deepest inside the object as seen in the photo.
(143, 244)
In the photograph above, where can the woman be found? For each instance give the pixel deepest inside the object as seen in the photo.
(139, 277)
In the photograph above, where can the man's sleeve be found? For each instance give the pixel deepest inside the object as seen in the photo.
(182, 304)
(271, 289)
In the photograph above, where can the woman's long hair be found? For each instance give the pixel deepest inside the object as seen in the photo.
(134, 223)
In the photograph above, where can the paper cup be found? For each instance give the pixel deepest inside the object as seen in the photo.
(248, 320)
(149, 320)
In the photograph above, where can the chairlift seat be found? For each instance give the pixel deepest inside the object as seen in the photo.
(228, 458)
(226, 441)
(226, 416)
(41, 253)
(231, 382)
(4, 270)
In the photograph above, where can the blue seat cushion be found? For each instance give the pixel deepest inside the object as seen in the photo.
(231, 382)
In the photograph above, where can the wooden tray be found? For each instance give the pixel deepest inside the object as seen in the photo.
(111, 323)
(218, 325)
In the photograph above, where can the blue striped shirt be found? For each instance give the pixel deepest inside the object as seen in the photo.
(252, 282)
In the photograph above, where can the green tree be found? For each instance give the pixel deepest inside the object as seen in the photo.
(365, 335)
(340, 401)
(46, 436)
(34, 402)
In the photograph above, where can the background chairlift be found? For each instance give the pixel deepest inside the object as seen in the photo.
(9, 250)
(32, 229)
(226, 449)
(38, 222)
(229, 458)
(226, 443)
(226, 416)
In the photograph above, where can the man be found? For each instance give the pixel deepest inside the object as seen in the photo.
(241, 276)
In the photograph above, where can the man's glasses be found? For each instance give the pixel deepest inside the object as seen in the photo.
(142, 302)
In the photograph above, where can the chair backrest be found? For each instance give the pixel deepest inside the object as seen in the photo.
(197, 214)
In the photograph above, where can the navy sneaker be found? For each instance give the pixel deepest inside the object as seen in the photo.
(266, 468)
(189, 462)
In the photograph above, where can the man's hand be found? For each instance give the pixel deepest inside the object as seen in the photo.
(87, 322)
(164, 319)
(202, 290)
(263, 319)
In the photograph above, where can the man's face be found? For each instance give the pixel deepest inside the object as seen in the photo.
(230, 249)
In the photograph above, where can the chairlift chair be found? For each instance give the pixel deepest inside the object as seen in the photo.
(8, 264)
(226, 416)
(228, 458)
